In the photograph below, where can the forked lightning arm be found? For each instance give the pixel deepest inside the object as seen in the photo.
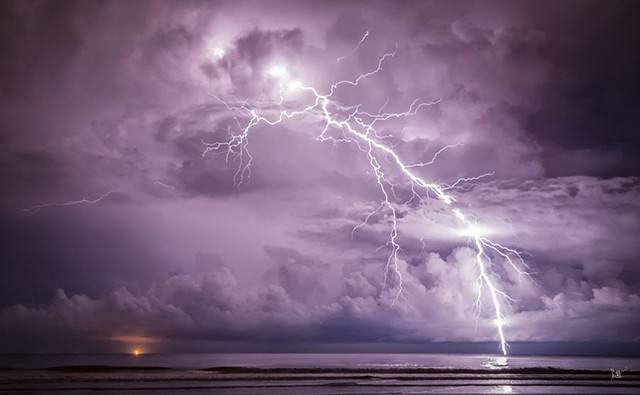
(364, 37)
(38, 207)
(357, 127)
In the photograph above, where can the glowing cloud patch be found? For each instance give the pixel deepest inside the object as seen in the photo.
(277, 71)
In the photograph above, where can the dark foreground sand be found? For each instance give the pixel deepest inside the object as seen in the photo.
(233, 380)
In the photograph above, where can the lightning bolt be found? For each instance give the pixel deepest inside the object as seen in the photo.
(39, 207)
(351, 125)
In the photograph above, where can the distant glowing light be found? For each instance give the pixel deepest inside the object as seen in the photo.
(474, 231)
(218, 52)
(215, 51)
(277, 71)
(293, 85)
(136, 352)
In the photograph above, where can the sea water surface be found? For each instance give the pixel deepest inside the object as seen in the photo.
(316, 374)
(292, 360)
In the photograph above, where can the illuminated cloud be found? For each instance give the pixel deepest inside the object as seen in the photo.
(125, 112)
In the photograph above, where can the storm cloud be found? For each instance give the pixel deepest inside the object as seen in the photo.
(121, 97)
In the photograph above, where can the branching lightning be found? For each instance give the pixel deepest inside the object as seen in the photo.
(355, 126)
(435, 156)
(38, 207)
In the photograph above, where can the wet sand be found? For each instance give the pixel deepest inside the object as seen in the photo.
(321, 381)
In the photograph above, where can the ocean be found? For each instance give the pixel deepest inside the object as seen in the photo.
(292, 360)
(316, 374)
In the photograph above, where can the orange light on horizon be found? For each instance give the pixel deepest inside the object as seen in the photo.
(136, 352)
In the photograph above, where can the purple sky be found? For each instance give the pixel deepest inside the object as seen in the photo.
(100, 96)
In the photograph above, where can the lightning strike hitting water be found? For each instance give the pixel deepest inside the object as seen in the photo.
(356, 126)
